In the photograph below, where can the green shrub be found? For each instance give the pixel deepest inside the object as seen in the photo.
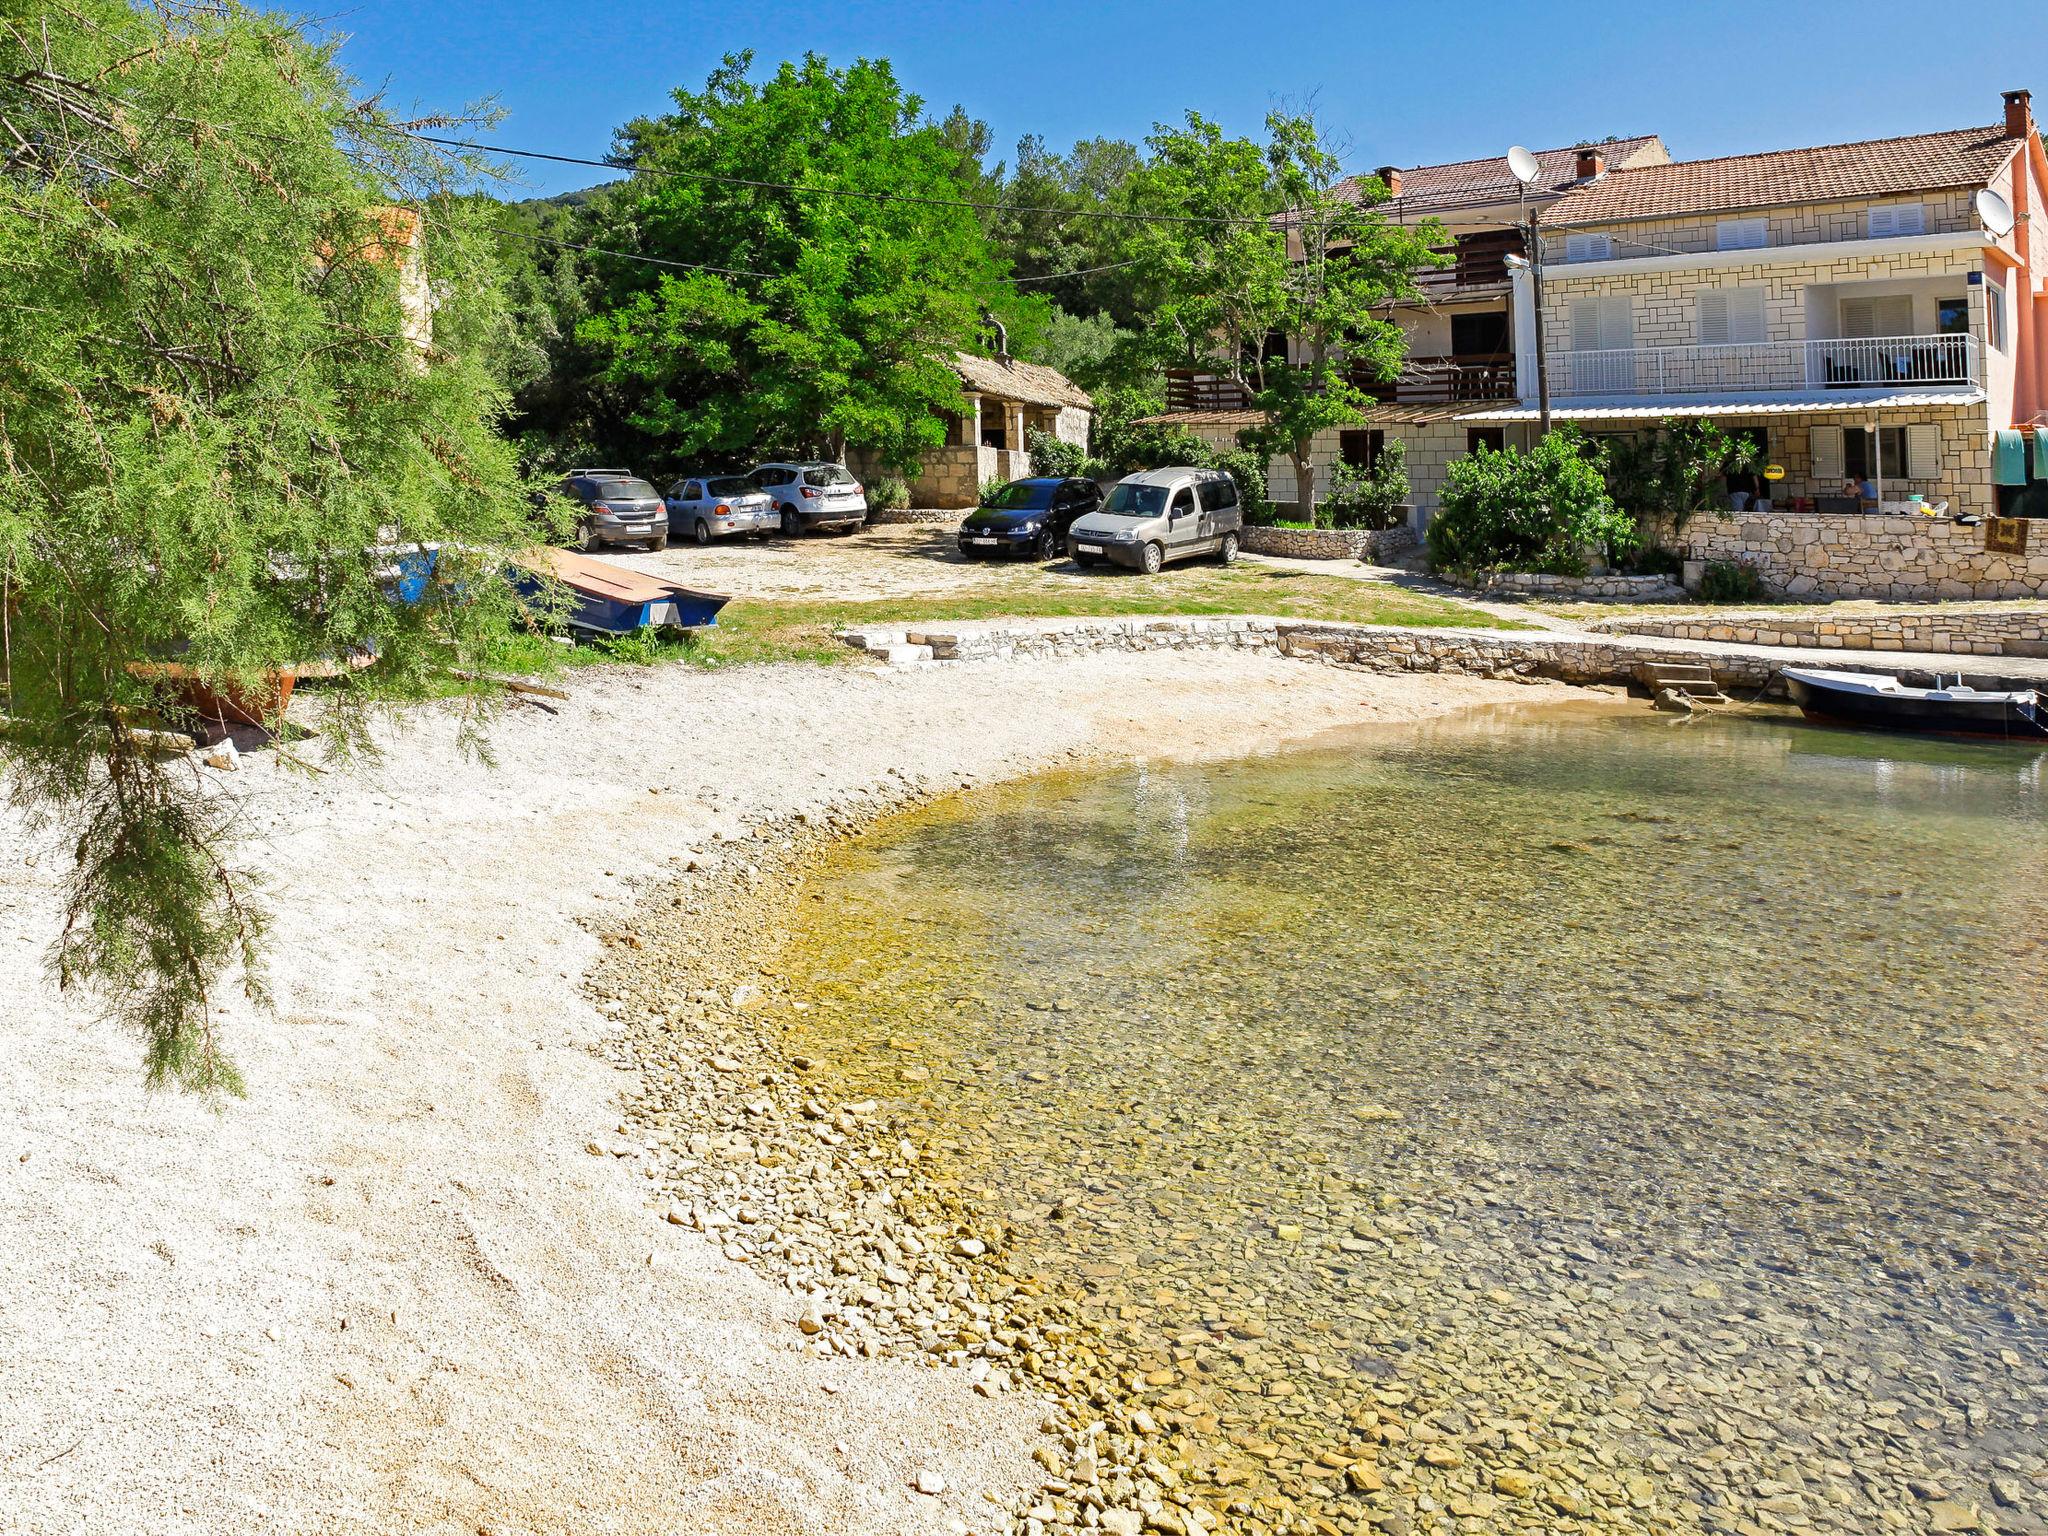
(990, 489)
(1249, 471)
(1731, 581)
(1656, 560)
(1368, 498)
(1056, 456)
(1539, 510)
(888, 493)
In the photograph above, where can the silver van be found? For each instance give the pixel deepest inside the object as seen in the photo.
(1161, 515)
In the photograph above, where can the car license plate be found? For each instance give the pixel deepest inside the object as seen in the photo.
(982, 541)
(1087, 549)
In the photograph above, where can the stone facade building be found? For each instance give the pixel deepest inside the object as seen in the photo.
(1006, 401)
(1874, 316)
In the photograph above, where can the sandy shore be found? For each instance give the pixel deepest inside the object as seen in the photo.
(394, 1290)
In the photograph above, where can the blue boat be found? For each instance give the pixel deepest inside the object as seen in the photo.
(608, 599)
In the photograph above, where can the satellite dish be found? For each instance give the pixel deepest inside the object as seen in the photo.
(1996, 213)
(1523, 165)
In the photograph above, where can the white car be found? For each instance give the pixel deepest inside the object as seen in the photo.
(813, 494)
(707, 507)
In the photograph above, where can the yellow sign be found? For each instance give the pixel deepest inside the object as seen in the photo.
(1774, 471)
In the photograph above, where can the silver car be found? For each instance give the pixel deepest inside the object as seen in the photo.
(618, 507)
(813, 494)
(707, 507)
(1161, 515)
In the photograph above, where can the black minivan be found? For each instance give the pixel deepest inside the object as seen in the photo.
(1029, 518)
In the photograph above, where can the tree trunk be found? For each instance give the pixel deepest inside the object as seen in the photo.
(838, 442)
(1304, 483)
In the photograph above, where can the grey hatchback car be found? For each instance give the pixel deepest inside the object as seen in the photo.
(813, 494)
(1161, 515)
(618, 508)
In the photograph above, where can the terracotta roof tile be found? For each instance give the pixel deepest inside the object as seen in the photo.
(1427, 186)
(1960, 157)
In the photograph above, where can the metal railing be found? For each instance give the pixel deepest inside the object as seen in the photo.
(1423, 381)
(1746, 367)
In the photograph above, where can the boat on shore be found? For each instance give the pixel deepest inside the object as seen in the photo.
(1880, 701)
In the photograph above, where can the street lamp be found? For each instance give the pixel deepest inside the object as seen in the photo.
(1525, 169)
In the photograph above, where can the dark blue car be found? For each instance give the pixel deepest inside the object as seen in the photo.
(1028, 518)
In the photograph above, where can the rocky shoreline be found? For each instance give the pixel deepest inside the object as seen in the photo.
(832, 1200)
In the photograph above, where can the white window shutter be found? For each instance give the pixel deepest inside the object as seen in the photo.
(1891, 315)
(1585, 324)
(1617, 322)
(1714, 317)
(1588, 247)
(1746, 315)
(1888, 219)
(1827, 459)
(1742, 234)
(1856, 318)
(1923, 451)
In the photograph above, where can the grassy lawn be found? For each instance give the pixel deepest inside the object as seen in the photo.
(759, 629)
(802, 629)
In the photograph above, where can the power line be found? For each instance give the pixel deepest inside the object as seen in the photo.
(652, 261)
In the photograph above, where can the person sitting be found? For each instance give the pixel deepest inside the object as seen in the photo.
(1860, 488)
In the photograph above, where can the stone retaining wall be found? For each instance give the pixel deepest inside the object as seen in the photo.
(916, 515)
(1375, 545)
(1853, 555)
(1626, 589)
(1964, 632)
(1514, 656)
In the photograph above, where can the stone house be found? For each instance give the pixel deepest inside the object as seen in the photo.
(1459, 327)
(1006, 401)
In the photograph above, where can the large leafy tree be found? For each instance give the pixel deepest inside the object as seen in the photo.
(822, 265)
(215, 423)
(1271, 269)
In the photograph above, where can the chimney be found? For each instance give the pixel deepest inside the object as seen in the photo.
(2019, 114)
(1391, 175)
(1592, 162)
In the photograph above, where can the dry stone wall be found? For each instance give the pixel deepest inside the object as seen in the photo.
(1948, 631)
(1625, 589)
(1377, 546)
(1848, 555)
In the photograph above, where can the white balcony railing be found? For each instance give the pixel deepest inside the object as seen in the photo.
(1876, 362)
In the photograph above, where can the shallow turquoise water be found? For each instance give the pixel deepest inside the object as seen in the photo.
(1677, 1091)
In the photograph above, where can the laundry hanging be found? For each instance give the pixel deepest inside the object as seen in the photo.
(2009, 457)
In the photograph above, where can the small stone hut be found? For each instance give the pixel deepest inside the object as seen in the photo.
(1006, 401)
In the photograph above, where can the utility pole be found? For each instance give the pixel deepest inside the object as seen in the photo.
(1523, 167)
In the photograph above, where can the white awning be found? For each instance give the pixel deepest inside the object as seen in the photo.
(1652, 407)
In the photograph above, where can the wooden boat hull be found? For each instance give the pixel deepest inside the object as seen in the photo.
(2003, 716)
(611, 600)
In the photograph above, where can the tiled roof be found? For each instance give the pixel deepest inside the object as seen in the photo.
(1008, 379)
(1960, 157)
(1426, 186)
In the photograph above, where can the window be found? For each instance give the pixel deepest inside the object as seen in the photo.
(1588, 247)
(1183, 503)
(1891, 315)
(1994, 314)
(1360, 449)
(1741, 234)
(692, 491)
(1731, 315)
(1602, 324)
(1888, 219)
(1480, 334)
(1859, 463)
(1494, 439)
(1952, 317)
(1219, 495)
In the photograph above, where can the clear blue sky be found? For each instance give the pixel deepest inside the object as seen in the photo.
(1404, 84)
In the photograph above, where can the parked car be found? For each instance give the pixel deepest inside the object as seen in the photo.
(813, 494)
(1161, 515)
(1028, 517)
(707, 507)
(618, 508)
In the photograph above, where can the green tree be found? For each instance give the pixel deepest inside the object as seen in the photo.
(214, 425)
(1271, 242)
(1539, 510)
(1669, 475)
(818, 317)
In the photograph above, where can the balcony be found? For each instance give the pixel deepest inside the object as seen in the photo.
(1423, 381)
(1880, 362)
